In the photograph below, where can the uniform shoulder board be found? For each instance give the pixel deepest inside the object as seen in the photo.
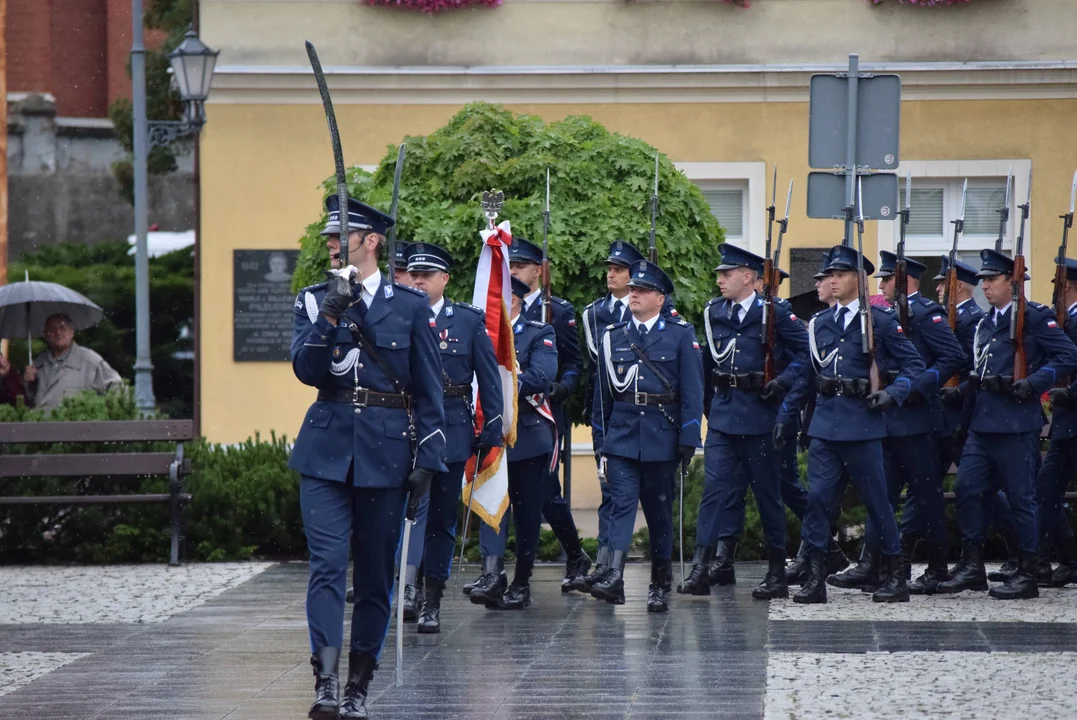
(1073, 311)
(614, 326)
(1038, 306)
(315, 288)
(561, 301)
(682, 322)
(410, 289)
(713, 300)
(820, 313)
(536, 323)
(469, 306)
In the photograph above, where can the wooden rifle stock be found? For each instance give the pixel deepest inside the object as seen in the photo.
(901, 292)
(951, 310)
(1058, 299)
(868, 328)
(1020, 361)
(546, 292)
(770, 277)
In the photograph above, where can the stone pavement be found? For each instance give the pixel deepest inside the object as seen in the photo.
(230, 641)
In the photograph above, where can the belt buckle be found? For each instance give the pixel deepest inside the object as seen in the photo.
(733, 380)
(356, 394)
(640, 395)
(839, 387)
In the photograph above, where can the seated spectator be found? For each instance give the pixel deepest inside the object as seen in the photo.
(10, 383)
(66, 368)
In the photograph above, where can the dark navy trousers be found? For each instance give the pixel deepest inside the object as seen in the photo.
(525, 505)
(1013, 459)
(556, 510)
(912, 460)
(651, 485)
(1059, 468)
(338, 517)
(440, 526)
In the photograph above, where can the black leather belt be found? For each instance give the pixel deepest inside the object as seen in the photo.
(747, 381)
(463, 391)
(361, 397)
(851, 387)
(996, 383)
(647, 398)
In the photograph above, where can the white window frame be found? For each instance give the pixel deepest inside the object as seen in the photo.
(749, 177)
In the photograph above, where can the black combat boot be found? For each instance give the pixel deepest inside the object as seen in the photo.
(611, 588)
(894, 589)
(583, 583)
(774, 585)
(1041, 568)
(361, 667)
(349, 597)
(661, 585)
(797, 571)
(326, 662)
(697, 582)
(575, 569)
(491, 586)
(908, 549)
(1022, 585)
(835, 558)
(412, 603)
(430, 617)
(721, 571)
(1010, 566)
(969, 573)
(814, 589)
(862, 576)
(468, 587)
(517, 597)
(936, 572)
(1066, 572)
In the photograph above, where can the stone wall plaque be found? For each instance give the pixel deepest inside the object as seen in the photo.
(262, 304)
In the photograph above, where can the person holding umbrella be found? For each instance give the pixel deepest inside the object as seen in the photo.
(66, 368)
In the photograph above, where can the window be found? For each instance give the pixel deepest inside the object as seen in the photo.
(728, 206)
(735, 193)
(936, 203)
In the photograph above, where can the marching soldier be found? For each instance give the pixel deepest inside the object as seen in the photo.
(1060, 465)
(525, 263)
(848, 424)
(1006, 420)
(746, 428)
(646, 418)
(909, 450)
(466, 354)
(400, 264)
(366, 345)
(529, 462)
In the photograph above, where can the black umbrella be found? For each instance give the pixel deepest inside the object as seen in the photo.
(24, 307)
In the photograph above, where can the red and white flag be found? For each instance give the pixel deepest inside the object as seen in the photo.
(493, 293)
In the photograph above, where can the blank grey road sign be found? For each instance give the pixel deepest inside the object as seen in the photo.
(826, 196)
(878, 121)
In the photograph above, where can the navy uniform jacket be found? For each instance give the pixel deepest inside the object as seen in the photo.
(969, 315)
(466, 352)
(569, 360)
(1064, 419)
(374, 440)
(836, 353)
(737, 348)
(941, 352)
(536, 354)
(648, 433)
(1051, 356)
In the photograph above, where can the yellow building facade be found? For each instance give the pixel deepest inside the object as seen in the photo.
(721, 90)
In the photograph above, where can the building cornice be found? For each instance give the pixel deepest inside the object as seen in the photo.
(611, 84)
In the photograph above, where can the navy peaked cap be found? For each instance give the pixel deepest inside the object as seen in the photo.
(649, 276)
(525, 251)
(425, 257)
(623, 253)
(360, 217)
(843, 257)
(734, 257)
(888, 265)
(965, 273)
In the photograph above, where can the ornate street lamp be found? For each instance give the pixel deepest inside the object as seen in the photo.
(192, 69)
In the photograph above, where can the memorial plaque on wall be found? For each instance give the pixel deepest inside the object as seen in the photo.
(262, 304)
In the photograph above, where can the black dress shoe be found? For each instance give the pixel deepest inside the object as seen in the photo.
(797, 571)
(774, 585)
(835, 558)
(1010, 566)
(936, 572)
(895, 588)
(349, 597)
(698, 582)
(575, 569)
(1041, 569)
(1066, 572)
(430, 616)
(862, 576)
(412, 603)
(361, 667)
(492, 584)
(721, 571)
(583, 583)
(969, 573)
(661, 584)
(517, 597)
(814, 589)
(1022, 585)
(611, 588)
(326, 662)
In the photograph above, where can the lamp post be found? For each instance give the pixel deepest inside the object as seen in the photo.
(192, 68)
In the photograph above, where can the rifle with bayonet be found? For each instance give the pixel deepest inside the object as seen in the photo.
(950, 298)
(901, 267)
(1059, 298)
(338, 153)
(867, 326)
(768, 291)
(1017, 294)
(772, 280)
(390, 240)
(546, 292)
(1004, 213)
(652, 252)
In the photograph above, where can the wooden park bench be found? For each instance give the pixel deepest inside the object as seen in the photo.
(117, 464)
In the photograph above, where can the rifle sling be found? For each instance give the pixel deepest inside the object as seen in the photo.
(650, 366)
(366, 344)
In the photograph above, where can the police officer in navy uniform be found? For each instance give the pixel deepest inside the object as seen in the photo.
(525, 263)
(646, 419)
(610, 308)
(529, 461)
(400, 264)
(849, 423)
(367, 346)
(1060, 464)
(466, 354)
(1006, 420)
(747, 421)
(909, 450)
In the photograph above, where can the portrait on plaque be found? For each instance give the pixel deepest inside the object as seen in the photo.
(262, 304)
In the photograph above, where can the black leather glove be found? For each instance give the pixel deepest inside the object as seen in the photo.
(338, 295)
(1060, 397)
(558, 392)
(1023, 390)
(480, 448)
(803, 441)
(774, 390)
(685, 453)
(417, 485)
(880, 401)
(951, 397)
(779, 435)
